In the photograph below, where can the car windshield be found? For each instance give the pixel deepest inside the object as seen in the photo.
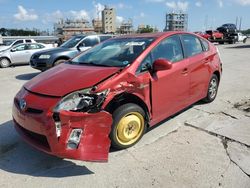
(72, 42)
(115, 52)
(8, 42)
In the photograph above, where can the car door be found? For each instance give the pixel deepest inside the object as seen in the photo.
(19, 53)
(198, 66)
(169, 88)
(32, 48)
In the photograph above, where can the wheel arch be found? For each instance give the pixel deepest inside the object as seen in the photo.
(217, 73)
(5, 57)
(125, 98)
(61, 58)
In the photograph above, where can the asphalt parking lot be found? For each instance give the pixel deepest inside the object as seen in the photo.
(203, 146)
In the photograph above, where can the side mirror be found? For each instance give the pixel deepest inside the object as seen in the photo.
(81, 45)
(13, 50)
(161, 64)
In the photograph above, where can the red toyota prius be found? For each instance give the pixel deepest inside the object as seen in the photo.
(110, 94)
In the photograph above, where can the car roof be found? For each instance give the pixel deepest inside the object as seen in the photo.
(153, 35)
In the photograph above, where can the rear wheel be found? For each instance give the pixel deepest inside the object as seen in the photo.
(212, 89)
(4, 63)
(128, 126)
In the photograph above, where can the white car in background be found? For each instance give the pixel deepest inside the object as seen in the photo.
(11, 43)
(241, 37)
(19, 54)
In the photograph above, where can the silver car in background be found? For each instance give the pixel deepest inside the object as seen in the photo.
(19, 54)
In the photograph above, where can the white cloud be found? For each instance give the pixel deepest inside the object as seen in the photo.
(53, 17)
(98, 9)
(243, 2)
(220, 3)
(122, 6)
(178, 6)
(119, 20)
(25, 15)
(81, 14)
(198, 4)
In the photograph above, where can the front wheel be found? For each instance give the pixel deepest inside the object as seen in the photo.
(128, 126)
(212, 89)
(4, 63)
(59, 61)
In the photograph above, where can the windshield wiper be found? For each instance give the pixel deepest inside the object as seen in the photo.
(93, 64)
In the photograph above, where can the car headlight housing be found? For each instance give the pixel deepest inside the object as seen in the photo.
(82, 101)
(44, 56)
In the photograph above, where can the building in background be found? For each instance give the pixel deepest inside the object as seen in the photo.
(69, 27)
(97, 24)
(126, 27)
(109, 20)
(176, 22)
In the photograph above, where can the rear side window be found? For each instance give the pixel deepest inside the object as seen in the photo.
(35, 46)
(192, 45)
(28, 41)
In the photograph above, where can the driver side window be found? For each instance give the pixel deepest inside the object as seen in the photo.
(20, 47)
(169, 48)
(90, 41)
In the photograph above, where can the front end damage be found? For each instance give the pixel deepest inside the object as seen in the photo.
(85, 136)
(78, 125)
(66, 134)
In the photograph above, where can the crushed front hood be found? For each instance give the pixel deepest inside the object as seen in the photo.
(66, 78)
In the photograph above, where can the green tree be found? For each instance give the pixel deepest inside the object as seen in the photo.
(246, 32)
(147, 29)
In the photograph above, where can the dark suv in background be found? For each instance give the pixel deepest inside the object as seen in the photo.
(227, 28)
(48, 58)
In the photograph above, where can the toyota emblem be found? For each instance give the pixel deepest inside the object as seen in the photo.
(22, 104)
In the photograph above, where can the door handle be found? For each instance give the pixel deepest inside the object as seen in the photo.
(185, 71)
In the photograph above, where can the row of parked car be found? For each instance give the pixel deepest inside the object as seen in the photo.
(225, 33)
(44, 56)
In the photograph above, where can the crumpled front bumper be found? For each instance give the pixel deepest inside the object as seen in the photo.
(37, 127)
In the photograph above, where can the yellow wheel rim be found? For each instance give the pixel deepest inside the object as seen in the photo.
(130, 128)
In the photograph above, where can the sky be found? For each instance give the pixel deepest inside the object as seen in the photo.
(202, 14)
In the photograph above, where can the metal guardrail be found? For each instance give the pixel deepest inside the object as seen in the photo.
(45, 39)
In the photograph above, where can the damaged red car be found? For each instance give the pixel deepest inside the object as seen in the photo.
(110, 94)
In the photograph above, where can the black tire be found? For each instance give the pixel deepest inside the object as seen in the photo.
(221, 42)
(4, 63)
(119, 115)
(212, 89)
(59, 61)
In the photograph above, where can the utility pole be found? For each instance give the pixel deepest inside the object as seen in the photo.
(206, 22)
(240, 23)
(236, 23)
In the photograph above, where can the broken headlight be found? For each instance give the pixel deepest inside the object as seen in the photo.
(82, 101)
